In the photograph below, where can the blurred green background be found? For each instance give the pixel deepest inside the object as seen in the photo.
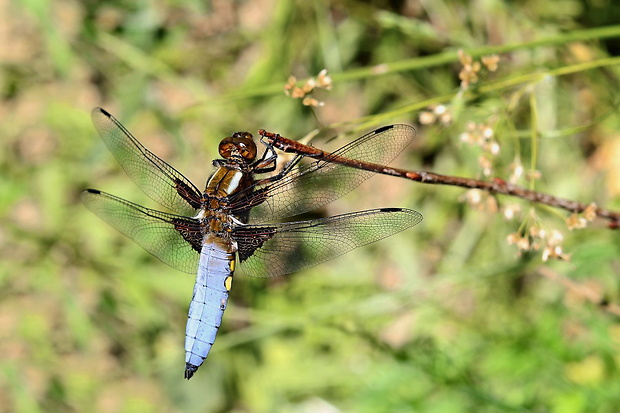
(445, 317)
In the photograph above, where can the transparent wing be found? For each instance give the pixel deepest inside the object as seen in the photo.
(160, 181)
(171, 238)
(271, 250)
(315, 184)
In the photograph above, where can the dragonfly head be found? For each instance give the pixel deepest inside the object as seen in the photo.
(240, 144)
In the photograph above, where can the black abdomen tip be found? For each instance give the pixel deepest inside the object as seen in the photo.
(190, 369)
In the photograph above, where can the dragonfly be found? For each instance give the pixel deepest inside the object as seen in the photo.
(239, 218)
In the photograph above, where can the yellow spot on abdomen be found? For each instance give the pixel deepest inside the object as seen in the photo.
(228, 283)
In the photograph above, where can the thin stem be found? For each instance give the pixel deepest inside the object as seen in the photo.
(450, 56)
(476, 92)
(534, 137)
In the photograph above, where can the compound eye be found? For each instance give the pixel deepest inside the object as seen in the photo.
(246, 148)
(226, 148)
(241, 144)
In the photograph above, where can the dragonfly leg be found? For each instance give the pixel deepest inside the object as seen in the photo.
(287, 168)
(267, 163)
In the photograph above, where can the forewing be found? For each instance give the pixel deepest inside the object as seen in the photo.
(271, 250)
(315, 184)
(173, 239)
(160, 181)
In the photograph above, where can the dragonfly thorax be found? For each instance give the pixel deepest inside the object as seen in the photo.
(226, 180)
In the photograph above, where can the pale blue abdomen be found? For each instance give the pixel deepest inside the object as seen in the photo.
(213, 283)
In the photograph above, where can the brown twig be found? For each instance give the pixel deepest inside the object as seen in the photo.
(496, 186)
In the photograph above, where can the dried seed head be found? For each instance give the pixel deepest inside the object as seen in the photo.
(308, 101)
(324, 80)
(436, 113)
(473, 197)
(590, 212)
(487, 132)
(309, 85)
(574, 221)
(535, 238)
(290, 84)
(512, 211)
(464, 58)
(469, 73)
(555, 238)
(427, 118)
(486, 165)
(522, 243)
(440, 109)
(445, 118)
(467, 138)
(298, 93)
(554, 252)
(517, 172)
(490, 62)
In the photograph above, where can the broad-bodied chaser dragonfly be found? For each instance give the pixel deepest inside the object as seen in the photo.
(230, 220)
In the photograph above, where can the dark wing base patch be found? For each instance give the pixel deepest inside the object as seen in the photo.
(251, 239)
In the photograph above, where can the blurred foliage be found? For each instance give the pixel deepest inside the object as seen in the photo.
(446, 317)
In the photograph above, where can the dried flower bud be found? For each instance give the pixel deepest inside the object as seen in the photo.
(427, 118)
(517, 172)
(309, 85)
(473, 197)
(490, 62)
(290, 84)
(511, 211)
(467, 138)
(574, 221)
(590, 212)
(522, 243)
(324, 80)
(445, 118)
(297, 93)
(440, 109)
(308, 101)
(464, 58)
(554, 252)
(486, 165)
(487, 132)
(555, 238)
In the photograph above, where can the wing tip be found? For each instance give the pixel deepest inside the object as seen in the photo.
(86, 195)
(383, 129)
(101, 110)
(414, 216)
(395, 126)
(391, 209)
